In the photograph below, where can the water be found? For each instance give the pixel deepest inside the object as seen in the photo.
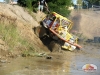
(64, 63)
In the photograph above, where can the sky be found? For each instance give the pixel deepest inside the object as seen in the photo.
(74, 2)
(8, 0)
(1, 0)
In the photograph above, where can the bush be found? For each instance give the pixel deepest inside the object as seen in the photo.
(27, 3)
(59, 6)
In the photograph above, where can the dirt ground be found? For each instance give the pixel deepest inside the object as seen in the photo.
(86, 23)
(62, 63)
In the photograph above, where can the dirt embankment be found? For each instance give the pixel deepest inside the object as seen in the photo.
(14, 14)
(87, 22)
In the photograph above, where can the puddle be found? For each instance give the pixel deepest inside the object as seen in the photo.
(37, 65)
(65, 63)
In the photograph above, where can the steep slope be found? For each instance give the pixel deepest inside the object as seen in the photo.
(87, 22)
(24, 22)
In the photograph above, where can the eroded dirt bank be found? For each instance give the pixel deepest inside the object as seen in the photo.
(60, 63)
(86, 22)
(19, 18)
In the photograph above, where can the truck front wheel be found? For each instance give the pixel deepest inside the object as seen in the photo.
(54, 46)
(40, 31)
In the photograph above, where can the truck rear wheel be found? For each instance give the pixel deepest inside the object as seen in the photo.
(54, 47)
(40, 31)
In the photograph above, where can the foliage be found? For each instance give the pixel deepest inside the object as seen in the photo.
(26, 3)
(89, 3)
(9, 35)
(79, 1)
(59, 6)
(92, 1)
(30, 4)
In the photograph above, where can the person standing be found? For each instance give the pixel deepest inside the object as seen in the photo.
(41, 5)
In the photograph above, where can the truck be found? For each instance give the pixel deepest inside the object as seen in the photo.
(57, 28)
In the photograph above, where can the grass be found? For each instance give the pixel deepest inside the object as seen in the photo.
(13, 40)
(9, 35)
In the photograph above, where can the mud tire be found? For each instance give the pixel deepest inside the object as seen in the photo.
(54, 46)
(40, 31)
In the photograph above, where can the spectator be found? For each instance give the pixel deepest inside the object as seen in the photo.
(41, 5)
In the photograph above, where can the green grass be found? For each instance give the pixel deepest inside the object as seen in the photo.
(13, 40)
(9, 35)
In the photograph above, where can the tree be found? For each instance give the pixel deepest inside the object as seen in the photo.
(92, 1)
(26, 3)
(79, 2)
(97, 2)
(59, 6)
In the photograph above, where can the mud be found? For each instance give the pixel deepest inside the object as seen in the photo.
(60, 63)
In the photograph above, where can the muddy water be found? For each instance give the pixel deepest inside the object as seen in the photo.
(89, 55)
(57, 65)
(64, 63)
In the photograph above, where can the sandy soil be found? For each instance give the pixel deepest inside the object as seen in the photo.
(24, 22)
(86, 22)
(65, 62)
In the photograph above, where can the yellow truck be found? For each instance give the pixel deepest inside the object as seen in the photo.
(57, 28)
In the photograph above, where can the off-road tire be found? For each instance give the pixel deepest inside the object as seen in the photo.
(54, 46)
(40, 31)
